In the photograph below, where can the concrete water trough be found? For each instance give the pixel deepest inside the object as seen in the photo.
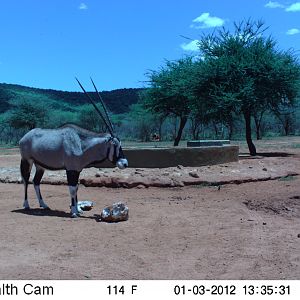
(207, 143)
(164, 157)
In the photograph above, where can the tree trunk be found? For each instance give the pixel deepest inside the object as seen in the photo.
(197, 133)
(160, 130)
(251, 146)
(230, 129)
(196, 128)
(216, 129)
(258, 136)
(287, 126)
(258, 121)
(183, 121)
(174, 127)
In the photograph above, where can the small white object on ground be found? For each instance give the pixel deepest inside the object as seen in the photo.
(85, 205)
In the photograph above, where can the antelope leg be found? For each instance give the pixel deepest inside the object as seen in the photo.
(72, 177)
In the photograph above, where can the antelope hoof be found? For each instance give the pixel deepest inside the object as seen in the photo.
(46, 207)
(74, 215)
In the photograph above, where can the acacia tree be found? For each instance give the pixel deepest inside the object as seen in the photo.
(170, 92)
(27, 115)
(89, 119)
(142, 121)
(246, 74)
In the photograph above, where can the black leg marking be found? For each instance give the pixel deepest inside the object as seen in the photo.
(25, 173)
(38, 175)
(72, 177)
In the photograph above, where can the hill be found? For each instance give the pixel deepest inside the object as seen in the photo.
(117, 101)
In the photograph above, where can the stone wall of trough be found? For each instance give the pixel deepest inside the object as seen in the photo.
(171, 157)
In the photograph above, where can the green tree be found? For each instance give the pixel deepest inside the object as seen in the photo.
(143, 122)
(171, 93)
(27, 115)
(89, 119)
(246, 74)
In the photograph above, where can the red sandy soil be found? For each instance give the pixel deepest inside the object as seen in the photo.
(249, 230)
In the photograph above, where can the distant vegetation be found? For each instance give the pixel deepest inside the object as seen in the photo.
(23, 108)
(238, 86)
(117, 101)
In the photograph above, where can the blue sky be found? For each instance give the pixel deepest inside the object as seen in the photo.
(45, 43)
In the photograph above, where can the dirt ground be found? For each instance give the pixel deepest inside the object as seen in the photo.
(222, 230)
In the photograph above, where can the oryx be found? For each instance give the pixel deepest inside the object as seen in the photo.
(70, 148)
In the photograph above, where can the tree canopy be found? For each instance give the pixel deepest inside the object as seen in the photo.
(171, 91)
(247, 74)
(27, 115)
(236, 73)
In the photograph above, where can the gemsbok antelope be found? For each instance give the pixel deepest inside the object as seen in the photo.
(69, 148)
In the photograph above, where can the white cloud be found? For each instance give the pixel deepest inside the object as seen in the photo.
(191, 46)
(293, 31)
(272, 4)
(293, 7)
(207, 21)
(82, 6)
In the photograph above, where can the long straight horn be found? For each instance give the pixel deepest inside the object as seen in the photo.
(95, 106)
(103, 105)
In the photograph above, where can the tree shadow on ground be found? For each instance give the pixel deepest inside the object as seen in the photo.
(275, 154)
(267, 154)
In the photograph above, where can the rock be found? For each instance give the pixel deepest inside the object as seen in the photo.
(298, 235)
(115, 213)
(265, 169)
(141, 186)
(177, 183)
(180, 167)
(177, 174)
(194, 174)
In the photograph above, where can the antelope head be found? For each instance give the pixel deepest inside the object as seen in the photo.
(115, 154)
